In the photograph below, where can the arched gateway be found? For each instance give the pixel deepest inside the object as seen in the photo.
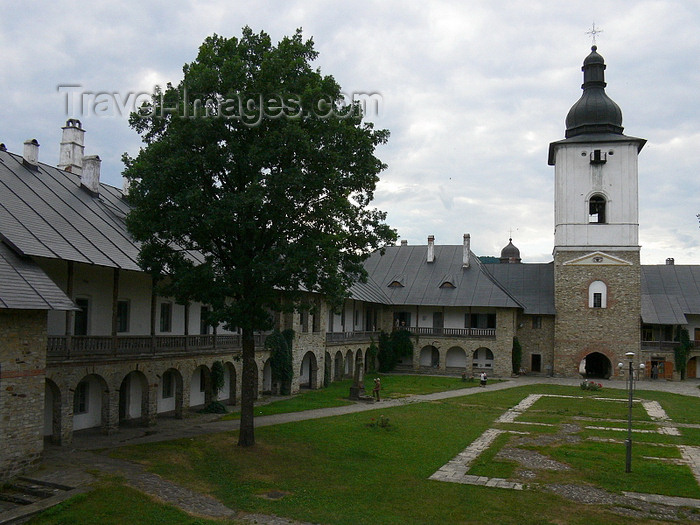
(595, 366)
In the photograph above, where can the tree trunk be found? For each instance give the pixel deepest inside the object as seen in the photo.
(246, 435)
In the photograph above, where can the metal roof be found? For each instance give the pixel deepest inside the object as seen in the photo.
(24, 286)
(531, 284)
(46, 213)
(369, 292)
(669, 293)
(421, 282)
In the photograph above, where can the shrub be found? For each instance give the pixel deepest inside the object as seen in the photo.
(681, 351)
(385, 355)
(591, 385)
(371, 356)
(215, 407)
(382, 422)
(517, 355)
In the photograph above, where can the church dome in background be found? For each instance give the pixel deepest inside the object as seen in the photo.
(510, 254)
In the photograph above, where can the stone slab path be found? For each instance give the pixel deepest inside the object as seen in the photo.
(457, 469)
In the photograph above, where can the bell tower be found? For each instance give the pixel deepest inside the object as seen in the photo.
(596, 244)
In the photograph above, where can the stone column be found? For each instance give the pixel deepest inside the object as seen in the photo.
(149, 404)
(358, 387)
(180, 399)
(65, 436)
(110, 410)
(443, 357)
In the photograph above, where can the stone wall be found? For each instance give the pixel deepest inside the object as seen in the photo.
(63, 378)
(305, 342)
(581, 330)
(539, 341)
(501, 346)
(22, 373)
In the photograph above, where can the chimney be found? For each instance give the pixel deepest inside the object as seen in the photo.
(31, 154)
(670, 261)
(404, 243)
(90, 177)
(431, 248)
(465, 253)
(70, 156)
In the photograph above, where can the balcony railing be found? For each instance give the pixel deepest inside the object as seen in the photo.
(451, 332)
(351, 337)
(665, 345)
(91, 346)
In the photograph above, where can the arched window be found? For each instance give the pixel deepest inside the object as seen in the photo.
(597, 295)
(596, 209)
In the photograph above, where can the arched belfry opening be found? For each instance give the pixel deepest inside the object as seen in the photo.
(596, 209)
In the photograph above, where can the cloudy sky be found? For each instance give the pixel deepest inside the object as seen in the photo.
(473, 92)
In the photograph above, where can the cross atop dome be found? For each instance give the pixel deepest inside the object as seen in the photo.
(593, 32)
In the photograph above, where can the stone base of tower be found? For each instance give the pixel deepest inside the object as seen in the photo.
(593, 334)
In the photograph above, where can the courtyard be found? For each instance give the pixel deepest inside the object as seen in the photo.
(519, 451)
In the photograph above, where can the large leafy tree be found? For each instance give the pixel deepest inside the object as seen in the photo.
(257, 162)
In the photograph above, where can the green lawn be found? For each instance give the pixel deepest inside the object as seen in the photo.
(337, 393)
(113, 503)
(349, 470)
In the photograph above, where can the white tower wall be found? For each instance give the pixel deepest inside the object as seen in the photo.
(577, 179)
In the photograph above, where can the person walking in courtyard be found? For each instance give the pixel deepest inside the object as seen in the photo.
(483, 379)
(377, 388)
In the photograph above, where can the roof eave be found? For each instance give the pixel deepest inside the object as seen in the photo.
(592, 138)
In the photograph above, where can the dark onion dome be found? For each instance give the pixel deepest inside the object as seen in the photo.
(510, 254)
(595, 111)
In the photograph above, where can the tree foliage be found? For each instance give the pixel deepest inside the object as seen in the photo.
(682, 350)
(385, 354)
(280, 348)
(393, 347)
(218, 378)
(517, 355)
(254, 183)
(371, 356)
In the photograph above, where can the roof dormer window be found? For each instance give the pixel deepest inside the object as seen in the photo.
(395, 284)
(448, 285)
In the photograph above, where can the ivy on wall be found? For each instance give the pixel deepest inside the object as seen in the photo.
(280, 346)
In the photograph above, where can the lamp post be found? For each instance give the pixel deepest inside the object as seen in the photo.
(630, 390)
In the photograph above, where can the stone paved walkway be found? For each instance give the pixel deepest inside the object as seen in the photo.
(691, 455)
(455, 471)
(74, 465)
